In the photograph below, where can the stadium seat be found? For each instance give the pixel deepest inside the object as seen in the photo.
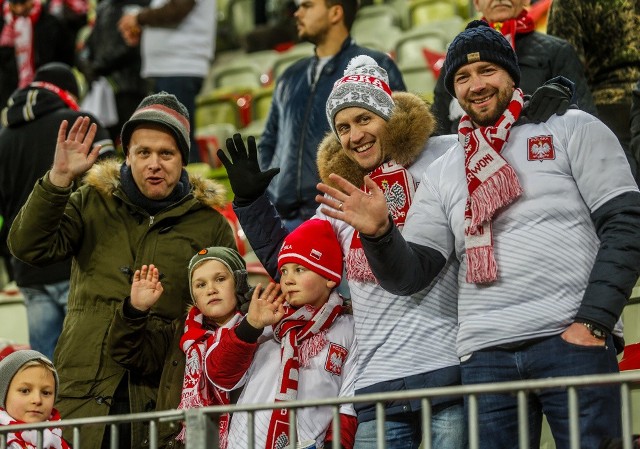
(422, 12)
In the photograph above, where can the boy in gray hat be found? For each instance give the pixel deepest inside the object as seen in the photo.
(217, 285)
(28, 390)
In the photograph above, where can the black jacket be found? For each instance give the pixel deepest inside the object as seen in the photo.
(28, 138)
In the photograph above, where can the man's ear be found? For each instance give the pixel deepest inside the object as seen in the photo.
(332, 284)
(336, 14)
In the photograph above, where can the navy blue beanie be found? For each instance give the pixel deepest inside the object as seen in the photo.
(479, 42)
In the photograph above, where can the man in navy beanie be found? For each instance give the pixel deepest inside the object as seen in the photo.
(544, 219)
(146, 209)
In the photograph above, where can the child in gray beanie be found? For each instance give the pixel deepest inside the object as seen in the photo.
(218, 285)
(28, 390)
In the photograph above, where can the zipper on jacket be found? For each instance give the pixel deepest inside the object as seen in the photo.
(307, 112)
(151, 218)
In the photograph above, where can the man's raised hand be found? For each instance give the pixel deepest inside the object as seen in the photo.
(74, 155)
(366, 212)
(247, 181)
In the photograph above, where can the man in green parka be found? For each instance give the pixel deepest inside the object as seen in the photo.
(145, 210)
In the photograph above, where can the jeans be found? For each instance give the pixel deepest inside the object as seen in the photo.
(185, 88)
(46, 309)
(448, 430)
(599, 407)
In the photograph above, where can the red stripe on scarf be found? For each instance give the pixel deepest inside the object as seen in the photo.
(28, 439)
(492, 183)
(196, 391)
(64, 95)
(18, 33)
(523, 24)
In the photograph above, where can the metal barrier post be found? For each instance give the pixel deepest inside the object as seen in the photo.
(336, 425)
(293, 429)
(380, 426)
(574, 423)
(115, 444)
(523, 419)
(202, 430)
(474, 438)
(426, 423)
(625, 403)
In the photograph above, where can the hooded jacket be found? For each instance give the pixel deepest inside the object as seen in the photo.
(297, 122)
(28, 138)
(109, 237)
(391, 329)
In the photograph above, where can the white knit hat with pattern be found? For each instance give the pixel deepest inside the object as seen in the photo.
(365, 85)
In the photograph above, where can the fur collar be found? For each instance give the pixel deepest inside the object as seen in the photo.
(407, 132)
(104, 176)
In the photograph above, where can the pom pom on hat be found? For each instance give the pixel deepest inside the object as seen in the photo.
(165, 110)
(314, 245)
(231, 259)
(365, 85)
(479, 42)
(12, 363)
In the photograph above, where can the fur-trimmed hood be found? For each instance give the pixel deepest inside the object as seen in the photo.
(408, 129)
(104, 176)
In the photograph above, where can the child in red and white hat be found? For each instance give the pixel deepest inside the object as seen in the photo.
(307, 352)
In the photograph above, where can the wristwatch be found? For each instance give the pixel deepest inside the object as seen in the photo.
(596, 331)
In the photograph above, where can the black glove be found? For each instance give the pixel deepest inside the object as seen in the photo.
(553, 97)
(245, 177)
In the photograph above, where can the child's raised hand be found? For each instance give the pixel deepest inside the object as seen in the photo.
(266, 306)
(146, 287)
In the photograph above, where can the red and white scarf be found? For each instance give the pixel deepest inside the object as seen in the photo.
(28, 439)
(302, 335)
(492, 183)
(523, 24)
(399, 187)
(18, 33)
(196, 391)
(64, 95)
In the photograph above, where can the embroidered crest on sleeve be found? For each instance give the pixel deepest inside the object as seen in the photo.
(336, 356)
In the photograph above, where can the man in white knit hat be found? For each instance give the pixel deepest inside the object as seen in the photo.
(374, 131)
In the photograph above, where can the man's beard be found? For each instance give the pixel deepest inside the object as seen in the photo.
(490, 119)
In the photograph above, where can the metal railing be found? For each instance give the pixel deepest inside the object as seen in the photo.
(201, 424)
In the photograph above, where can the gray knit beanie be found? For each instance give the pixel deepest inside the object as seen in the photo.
(165, 110)
(12, 363)
(365, 85)
(231, 259)
(479, 42)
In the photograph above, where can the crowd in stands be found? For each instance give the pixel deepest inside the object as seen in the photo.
(417, 266)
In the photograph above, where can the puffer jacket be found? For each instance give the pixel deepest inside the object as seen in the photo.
(540, 57)
(109, 237)
(297, 123)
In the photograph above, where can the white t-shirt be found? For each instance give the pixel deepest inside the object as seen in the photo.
(545, 242)
(184, 50)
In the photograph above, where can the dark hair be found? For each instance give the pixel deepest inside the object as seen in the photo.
(349, 10)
